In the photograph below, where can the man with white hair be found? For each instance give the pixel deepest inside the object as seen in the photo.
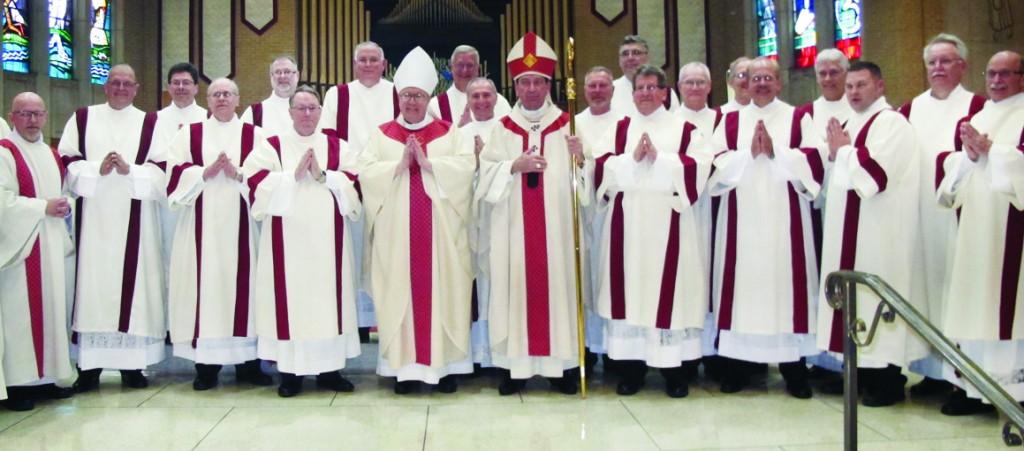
(695, 85)
(272, 113)
(526, 175)
(830, 73)
(453, 105)
(934, 115)
(984, 181)
(417, 184)
(33, 330)
(302, 187)
(119, 315)
(736, 78)
(633, 53)
(210, 297)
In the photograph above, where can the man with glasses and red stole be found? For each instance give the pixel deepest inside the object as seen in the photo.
(417, 179)
(526, 174)
(119, 319)
(34, 344)
(767, 169)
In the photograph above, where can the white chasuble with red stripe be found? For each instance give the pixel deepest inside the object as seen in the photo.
(419, 242)
(871, 225)
(213, 261)
(33, 301)
(305, 287)
(652, 270)
(986, 300)
(533, 290)
(120, 274)
(765, 276)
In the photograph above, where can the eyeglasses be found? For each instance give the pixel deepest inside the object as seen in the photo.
(182, 83)
(25, 114)
(629, 53)
(942, 62)
(284, 72)
(306, 108)
(122, 84)
(764, 78)
(370, 60)
(466, 66)
(694, 83)
(829, 73)
(413, 96)
(1004, 74)
(741, 75)
(648, 88)
(222, 94)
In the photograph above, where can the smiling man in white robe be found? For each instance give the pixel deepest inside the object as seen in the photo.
(33, 303)
(453, 104)
(272, 114)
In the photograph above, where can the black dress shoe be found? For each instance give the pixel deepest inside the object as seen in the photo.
(334, 381)
(882, 398)
(628, 387)
(134, 379)
(677, 391)
(18, 404)
(448, 384)
(511, 386)
(87, 380)
(52, 391)
(565, 385)
(816, 373)
(929, 387)
(799, 391)
(958, 404)
(250, 372)
(291, 385)
(405, 387)
(206, 376)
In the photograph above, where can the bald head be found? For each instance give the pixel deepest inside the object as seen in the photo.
(28, 115)
(1003, 75)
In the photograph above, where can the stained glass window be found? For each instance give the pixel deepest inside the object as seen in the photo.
(848, 27)
(60, 39)
(805, 36)
(767, 39)
(15, 35)
(99, 40)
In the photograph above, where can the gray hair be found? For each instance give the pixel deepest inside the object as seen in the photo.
(464, 49)
(634, 39)
(648, 70)
(223, 80)
(283, 58)
(365, 44)
(703, 68)
(483, 80)
(304, 89)
(731, 73)
(764, 61)
(594, 69)
(946, 38)
(834, 56)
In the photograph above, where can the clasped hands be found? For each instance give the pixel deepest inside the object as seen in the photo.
(222, 164)
(975, 143)
(413, 154)
(761, 143)
(837, 137)
(645, 149)
(309, 166)
(114, 161)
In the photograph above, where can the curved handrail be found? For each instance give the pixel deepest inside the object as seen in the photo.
(838, 286)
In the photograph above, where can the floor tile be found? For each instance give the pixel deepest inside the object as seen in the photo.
(9, 418)
(313, 428)
(373, 390)
(590, 424)
(70, 427)
(179, 393)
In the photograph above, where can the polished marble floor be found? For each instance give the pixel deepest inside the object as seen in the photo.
(170, 415)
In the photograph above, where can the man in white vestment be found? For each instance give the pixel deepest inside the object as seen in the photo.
(33, 301)
(653, 281)
(633, 53)
(830, 73)
(871, 224)
(768, 169)
(210, 303)
(452, 105)
(694, 87)
(119, 319)
(4, 128)
(591, 125)
(417, 180)
(526, 174)
(483, 97)
(736, 78)
(984, 184)
(182, 85)
(934, 114)
(272, 113)
(353, 111)
(302, 187)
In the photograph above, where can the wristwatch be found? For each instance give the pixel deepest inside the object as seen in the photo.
(323, 177)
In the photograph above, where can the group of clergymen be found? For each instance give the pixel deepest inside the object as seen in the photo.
(447, 224)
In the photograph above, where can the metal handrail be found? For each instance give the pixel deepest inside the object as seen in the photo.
(841, 293)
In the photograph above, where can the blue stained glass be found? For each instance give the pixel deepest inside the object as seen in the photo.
(99, 39)
(15, 35)
(61, 61)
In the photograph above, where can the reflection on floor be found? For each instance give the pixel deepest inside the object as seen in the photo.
(170, 415)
